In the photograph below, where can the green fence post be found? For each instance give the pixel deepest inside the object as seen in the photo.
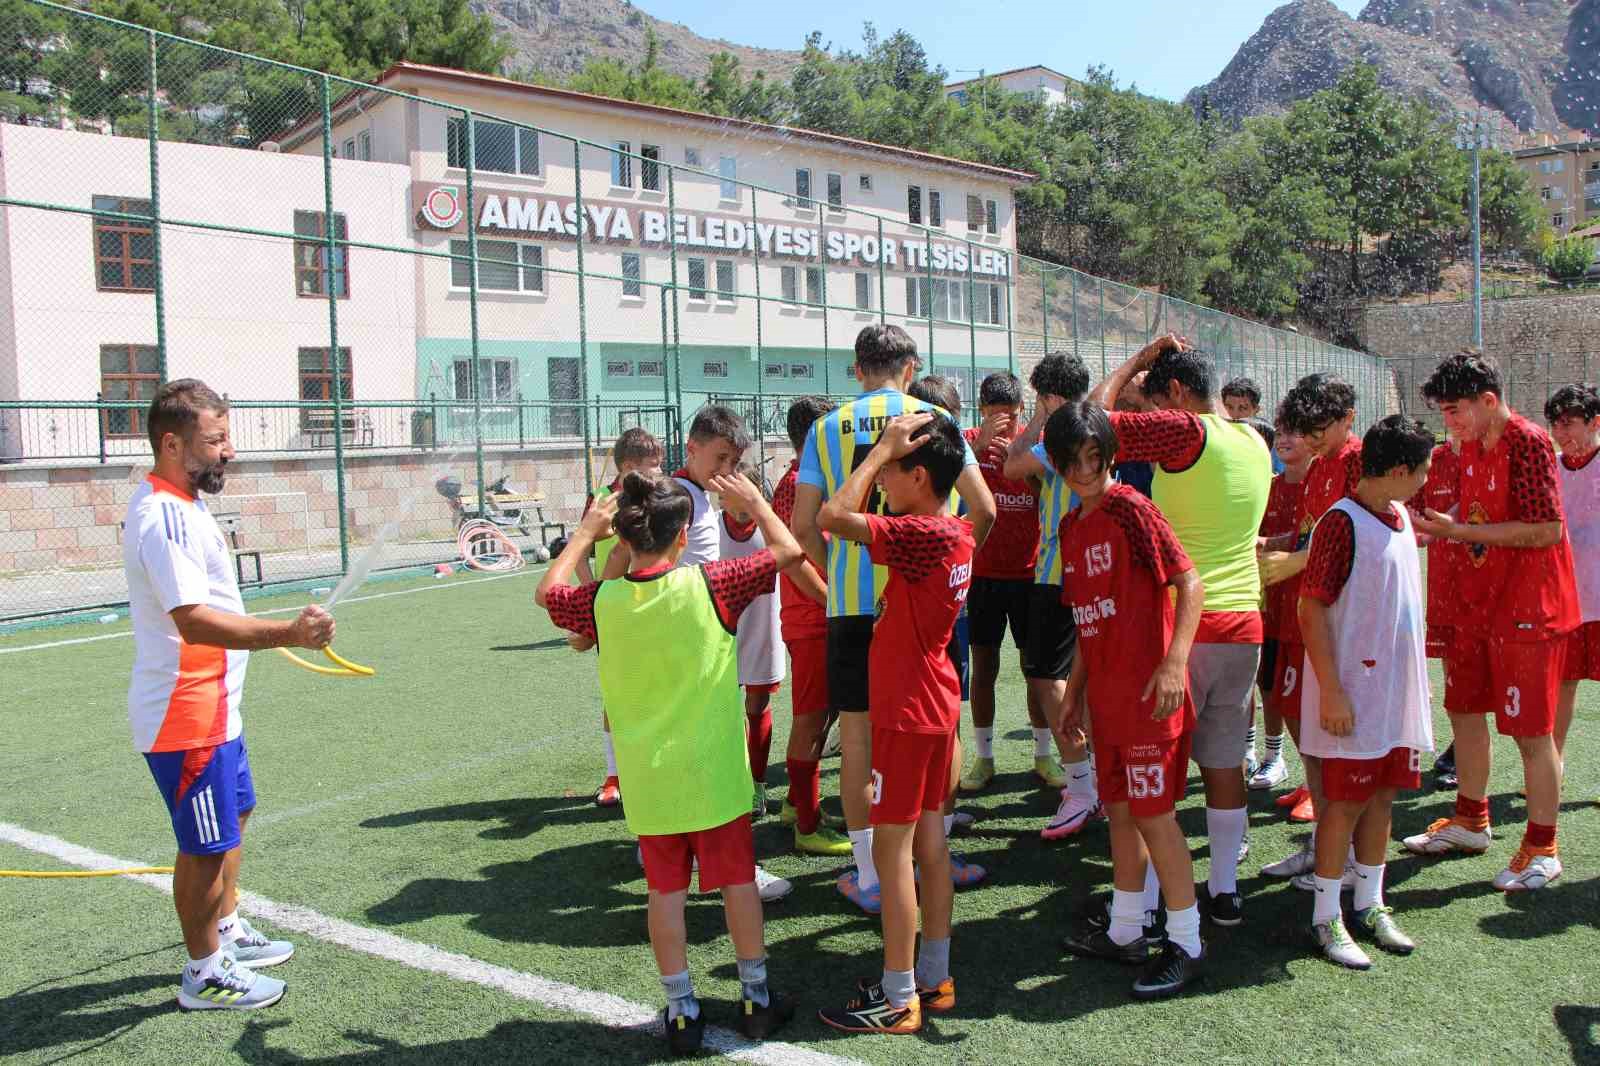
(1100, 284)
(1045, 284)
(472, 311)
(760, 427)
(1011, 354)
(335, 361)
(152, 132)
(822, 273)
(583, 319)
(883, 304)
(971, 405)
(1074, 279)
(927, 264)
(672, 253)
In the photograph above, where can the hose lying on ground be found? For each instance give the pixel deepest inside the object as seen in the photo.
(483, 546)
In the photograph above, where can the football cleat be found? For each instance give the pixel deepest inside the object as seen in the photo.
(1172, 971)
(229, 987)
(253, 949)
(869, 900)
(978, 776)
(770, 888)
(609, 794)
(1301, 862)
(1093, 943)
(964, 874)
(684, 1034)
(1448, 834)
(757, 1022)
(788, 816)
(1226, 909)
(871, 1012)
(1050, 772)
(1252, 763)
(1334, 941)
(824, 841)
(1528, 871)
(1072, 815)
(1380, 925)
(830, 746)
(1307, 882)
(939, 999)
(1270, 774)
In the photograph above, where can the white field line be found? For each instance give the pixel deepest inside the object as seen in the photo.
(613, 1012)
(275, 610)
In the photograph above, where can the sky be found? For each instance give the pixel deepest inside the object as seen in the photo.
(1167, 47)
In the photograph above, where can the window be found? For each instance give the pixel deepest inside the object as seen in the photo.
(728, 168)
(129, 373)
(311, 271)
(987, 295)
(498, 146)
(717, 369)
(503, 266)
(497, 379)
(350, 148)
(650, 168)
(316, 382)
(691, 157)
(991, 217)
(802, 186)
(836, 191)
(813, 285)
(1544, 192)
(914, 204)
(631, 273)
(863, 291)
(944, 298)
(935, 208)
(974, 213)
(365, 144)
(864, 182)
(697, 279)
(1557, 166)
(1558, 221)
(727, 286)
(800, 370)
(124, 250)
(789, 280)
(619, 368)
(651, 368)
(622, 166)
(775, 370)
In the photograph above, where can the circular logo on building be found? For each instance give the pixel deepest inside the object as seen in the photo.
(441, 208)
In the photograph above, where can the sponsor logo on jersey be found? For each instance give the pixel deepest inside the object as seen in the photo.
(960, 574)
(1090, 613)
(1015, 501)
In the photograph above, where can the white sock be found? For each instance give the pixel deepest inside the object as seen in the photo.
(1080, 780)
(199, 969)
(228, 927)
(949, 822)
(1274, 747)
(1183, 929)
(611, 756)
(1127, 917)
(1043, 742)
(861, 845)
(1369, 886)
(1250, 739)
(985, 741)
(1226, 830)
(1326, 907)
(1152, 888)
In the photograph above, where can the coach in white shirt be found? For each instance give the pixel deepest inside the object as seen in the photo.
(191, 645)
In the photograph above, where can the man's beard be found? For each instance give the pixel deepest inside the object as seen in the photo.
(209, 479)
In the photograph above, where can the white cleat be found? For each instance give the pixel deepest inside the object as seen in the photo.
(1252, 763)
(1307, 882)
(1269, 774)
(1334, 940)
(1446, 835)
(1072, 815)
(1528, 872)
(770, 888)
(1301, 862)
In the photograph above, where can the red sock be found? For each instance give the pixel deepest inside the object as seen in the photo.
(805, 794)
(1539, 837)
(758, 734)
(1472, 812)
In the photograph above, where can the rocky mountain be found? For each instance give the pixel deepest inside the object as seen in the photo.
(557, 37)
(1535, 61)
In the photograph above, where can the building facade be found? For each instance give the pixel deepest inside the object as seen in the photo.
(1567, 178)
(1048, 86)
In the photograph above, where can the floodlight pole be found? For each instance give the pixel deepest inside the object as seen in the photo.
(1474, 131)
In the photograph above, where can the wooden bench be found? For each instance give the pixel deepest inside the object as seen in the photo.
(356, 425)
(523, 501)
(230, 524)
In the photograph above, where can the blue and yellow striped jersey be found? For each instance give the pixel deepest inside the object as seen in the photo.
(1055, 500)
(836, 445)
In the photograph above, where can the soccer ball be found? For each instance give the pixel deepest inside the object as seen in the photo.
(541, 554)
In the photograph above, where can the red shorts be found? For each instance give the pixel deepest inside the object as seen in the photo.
(727, 856)
(1149, 778)
(808, 663)
(1286, 687)
(767, 689)
(1516, 682)
(1438, 640)
(910, 774)
(1358, 780)
(1583, 654)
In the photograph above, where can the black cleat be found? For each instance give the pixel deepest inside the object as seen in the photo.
(1225, 910)
(1098, 917)
(1093, 943)
(1445, 764)
(684, 1034)
(1170, 974)
(757, 1022)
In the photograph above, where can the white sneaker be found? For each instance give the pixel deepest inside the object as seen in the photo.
(1307, 882)
(830, 747)
(770, 888)
(1252, 763)
(1072, 815)
(1447, 834)
(1301, 862)
(256, 950)
(1336, 945)
(1269, 774)
(229, 987)
(1528, 872)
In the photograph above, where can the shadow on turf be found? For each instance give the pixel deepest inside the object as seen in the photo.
(514, 1041)
(513, 819)
(538, 645)
(41, 1018)
(1578, 1025)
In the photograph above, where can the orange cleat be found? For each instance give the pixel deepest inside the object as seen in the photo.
(1291, 799)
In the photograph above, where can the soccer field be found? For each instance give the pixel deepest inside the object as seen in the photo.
(427, 840)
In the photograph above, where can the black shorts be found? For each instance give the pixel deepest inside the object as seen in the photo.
(992, 603)
(849, 642)
(1269, 662)
(1052, 636)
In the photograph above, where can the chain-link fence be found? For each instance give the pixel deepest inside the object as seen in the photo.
(421, 283)
(1529, 379)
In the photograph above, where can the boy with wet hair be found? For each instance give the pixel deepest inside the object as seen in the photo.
(1574, 417)
(1241, 398)
(1367, 713)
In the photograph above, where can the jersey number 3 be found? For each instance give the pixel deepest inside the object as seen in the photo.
(1513, 702)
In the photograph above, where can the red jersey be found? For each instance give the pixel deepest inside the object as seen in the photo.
(1283, 507)
(799, 616)
(1330, 479)
(1012, 549)
(1518, 594)
(1116, 564)
(1442, 491)
(914, 687)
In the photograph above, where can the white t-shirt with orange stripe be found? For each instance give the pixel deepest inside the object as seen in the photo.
(182, 695)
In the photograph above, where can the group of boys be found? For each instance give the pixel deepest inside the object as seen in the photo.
(1142, 508)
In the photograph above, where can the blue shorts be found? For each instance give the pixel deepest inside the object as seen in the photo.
(957, 650)
(206, 790)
